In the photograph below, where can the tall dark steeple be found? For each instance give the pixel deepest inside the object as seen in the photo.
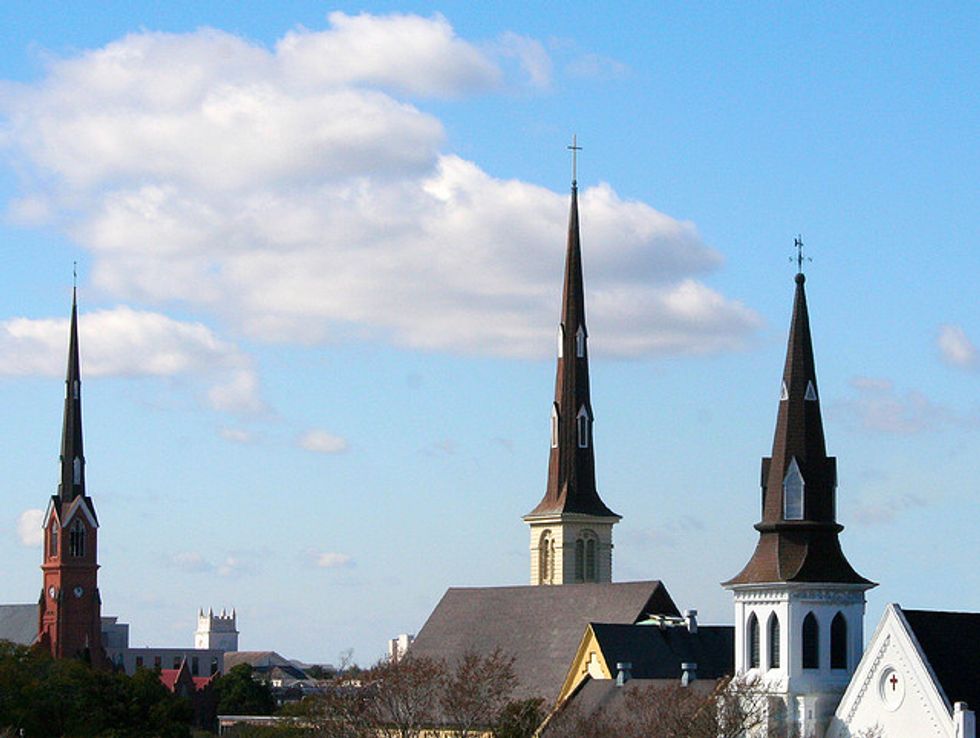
(798, 533)
(571, 528)
(571, 466)
(72, 483)
(69, 621)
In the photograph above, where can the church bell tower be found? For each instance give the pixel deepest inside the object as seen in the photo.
(799, 605)
(69, 609)
(571, 528)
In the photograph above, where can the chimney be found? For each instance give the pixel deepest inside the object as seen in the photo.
(689, 673)
(623, 674)
(964, 721)
(691, 620)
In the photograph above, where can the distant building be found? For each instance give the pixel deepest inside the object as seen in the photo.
(398, 646)
(216, 631)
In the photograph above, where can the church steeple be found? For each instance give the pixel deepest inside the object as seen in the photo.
(72, 482)
(571, 528)
(571, 465)
(799, 532)
(69, 622)
(799, 605)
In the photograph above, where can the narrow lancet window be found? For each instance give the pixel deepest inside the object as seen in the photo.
(591, 573)
(811, 392)
(754, 650)
(561, 341)
(783, 392)
(774, 641)
(793, 487)
(838, 642)
(76, 471)
(76, 539)
(554, 426)
(579, 560)
(583, 427)
(53, 539)
(75, 389)
(580, 342)
(546, 559)
(811, 642)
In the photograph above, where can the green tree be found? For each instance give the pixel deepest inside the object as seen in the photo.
(240, 694)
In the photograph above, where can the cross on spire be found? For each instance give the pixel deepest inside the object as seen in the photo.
(574, 148)
(799, 258)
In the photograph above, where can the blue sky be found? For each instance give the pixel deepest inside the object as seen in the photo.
(320, 253)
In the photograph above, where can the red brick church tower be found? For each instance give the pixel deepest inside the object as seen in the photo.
(69, 612)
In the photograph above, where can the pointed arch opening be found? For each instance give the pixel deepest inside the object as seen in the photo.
(582, 420)
(53, 539)
(580, 342)
(546, 558)
(580, 560)
(561, 341)
(793, 488)
(76, 539)
(838, 642)
(774, 644)
(554, 425)
(755, 652)
(811, 642)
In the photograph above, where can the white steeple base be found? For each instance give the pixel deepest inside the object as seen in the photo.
(806, 661)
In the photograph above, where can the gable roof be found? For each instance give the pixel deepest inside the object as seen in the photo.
(657, 653)
(950, 642)
(19, 624)
(539, 626)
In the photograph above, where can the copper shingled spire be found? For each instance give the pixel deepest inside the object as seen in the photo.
(798, 533)
(571, 467)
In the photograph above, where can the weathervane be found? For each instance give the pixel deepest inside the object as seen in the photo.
(574, 148)
(799, 258)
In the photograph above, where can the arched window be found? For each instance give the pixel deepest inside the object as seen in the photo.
(583, 427)
(76, 539)
(774, 641)
(754, 651)
(546, 562)
(591, 569)
(838, 642)
(53, 539)
(580, 342)
(76, 469)
(811, 642)
(793, 492)
(579, 560)
(561, 340)
(554, 425)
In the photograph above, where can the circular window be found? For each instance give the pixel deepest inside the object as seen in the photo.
(891, 688)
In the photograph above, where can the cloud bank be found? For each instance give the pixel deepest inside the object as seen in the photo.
(300, 194)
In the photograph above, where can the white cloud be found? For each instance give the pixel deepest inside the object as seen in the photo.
(292, 194)
(191, 562)
(329, 559)
(956, 348)
(29, 527)
(123, 342)
(321, 442)
(885, 511)
(531, 56)
(236, 435)
(405, 53)
(594, 66)
(878, 407)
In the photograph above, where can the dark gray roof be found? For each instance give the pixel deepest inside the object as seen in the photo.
(540, 626)
(657, 653)
(18, 624)
(951, 642)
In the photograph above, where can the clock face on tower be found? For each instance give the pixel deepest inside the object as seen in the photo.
(51, 592)
(78, 592)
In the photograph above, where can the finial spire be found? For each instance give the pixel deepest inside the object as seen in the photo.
(72, 454)
(799, 258)
(574, 148)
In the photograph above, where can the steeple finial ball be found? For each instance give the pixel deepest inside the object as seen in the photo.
(800, 278)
